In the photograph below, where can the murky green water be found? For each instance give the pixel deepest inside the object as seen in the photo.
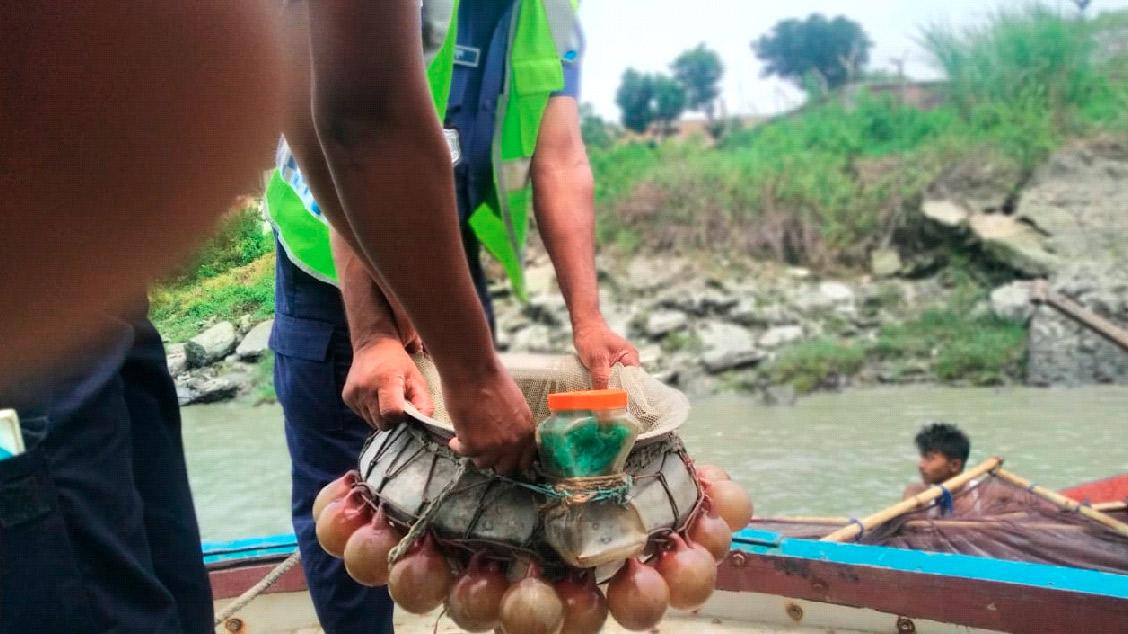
(830, 454)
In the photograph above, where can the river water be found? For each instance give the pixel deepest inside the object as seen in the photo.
(847, 453)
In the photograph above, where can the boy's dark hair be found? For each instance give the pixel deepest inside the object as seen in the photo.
(945, 438)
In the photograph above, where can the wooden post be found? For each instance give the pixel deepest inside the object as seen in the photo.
(1063, 502)
(1042, 293)
(919, 501)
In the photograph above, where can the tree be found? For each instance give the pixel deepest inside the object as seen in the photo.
(669, 101)
(829, 51)
(634, 97)
(699, 71)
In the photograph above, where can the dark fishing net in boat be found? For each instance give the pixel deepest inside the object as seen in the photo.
(994, 519)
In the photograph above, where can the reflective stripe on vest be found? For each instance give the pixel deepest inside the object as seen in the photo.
(298, 223)
(541, 35)
(536, 41)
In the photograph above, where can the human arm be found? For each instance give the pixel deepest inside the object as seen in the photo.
(563, 202)
(391, 168)
(382, 376)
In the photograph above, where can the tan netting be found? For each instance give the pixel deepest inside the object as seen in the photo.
(422, 484)
(657, 408)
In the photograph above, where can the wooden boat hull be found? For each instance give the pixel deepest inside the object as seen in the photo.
(1114, 489)
(770, 583)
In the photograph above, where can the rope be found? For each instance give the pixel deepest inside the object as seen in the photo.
(614, 488)
(421, 524)
(945, 500)
(251, 594)
(861, 528)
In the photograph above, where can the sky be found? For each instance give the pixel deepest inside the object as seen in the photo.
(649, 34)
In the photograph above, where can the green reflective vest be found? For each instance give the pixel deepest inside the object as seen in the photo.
(542, 34)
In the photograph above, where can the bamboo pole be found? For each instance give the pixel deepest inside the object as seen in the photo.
(1100, 325)
(1063, 502)
(919, 501)
(1110, 507)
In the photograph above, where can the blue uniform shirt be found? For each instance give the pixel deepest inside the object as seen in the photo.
(478, 79)
(479, 74)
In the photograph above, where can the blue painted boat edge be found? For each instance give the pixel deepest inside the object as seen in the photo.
(770, 543)
(249, 548)
(942, 564)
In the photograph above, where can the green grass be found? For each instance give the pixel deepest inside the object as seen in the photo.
(826, 185)
(240, 240)
(958, 347)
(789, 190)
(1026, 78)
(809, 365)
(956, 343)
(230, 276)
(181, 310)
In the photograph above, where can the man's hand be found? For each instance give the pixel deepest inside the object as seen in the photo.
(599, 348)
(381, 380)
(492, 421)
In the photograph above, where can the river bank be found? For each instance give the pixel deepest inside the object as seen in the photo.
(711, 326)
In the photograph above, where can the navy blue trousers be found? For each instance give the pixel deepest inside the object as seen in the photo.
(312, 359)
(97, 528)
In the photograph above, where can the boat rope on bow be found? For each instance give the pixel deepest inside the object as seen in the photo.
(254, 591)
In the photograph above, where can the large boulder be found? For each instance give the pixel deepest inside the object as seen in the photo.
(650, 356)
(211, 345)
(540, 279)
(777, 336)
(206, 390)
(548, 309)
(885, 263)
(1079, 201)
(1012, 301)
(255, 343)
(663, 322)
(1015, 242)
(946, 213)
(727, 347)
(746, 312)
(825, 297)
(535, 338)
(648, 273)
(700, 302)
(177, 359)
(1065, 352)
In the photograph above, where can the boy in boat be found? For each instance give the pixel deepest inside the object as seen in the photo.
(944, 450)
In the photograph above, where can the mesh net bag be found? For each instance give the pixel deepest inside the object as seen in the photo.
(410, 468)
(657, 408)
